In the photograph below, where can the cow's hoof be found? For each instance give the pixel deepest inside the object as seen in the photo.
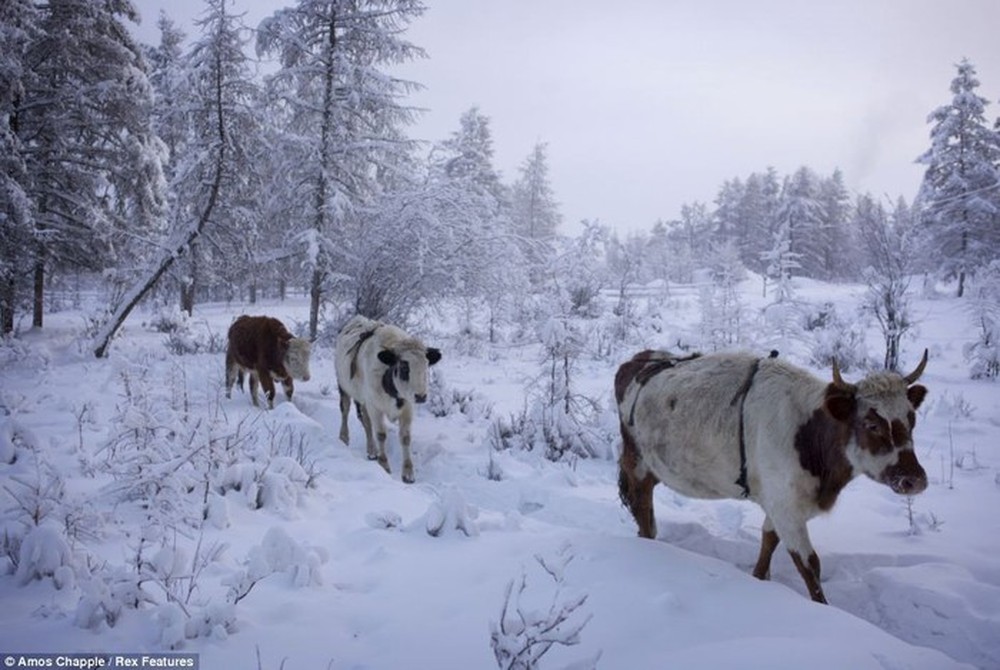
(408, 478)
(384, 462)
(345, 439)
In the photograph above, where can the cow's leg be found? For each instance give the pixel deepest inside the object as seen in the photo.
(635, 486)
(768, 543)
(254, 383)
(377, 420)
(794, 534)
(366, 423)
(345, 410)
(288, 386)
(405, 423)
(267, 383)
(231, 371)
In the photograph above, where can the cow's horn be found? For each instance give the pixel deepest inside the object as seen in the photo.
(837, 379)
(915, 375)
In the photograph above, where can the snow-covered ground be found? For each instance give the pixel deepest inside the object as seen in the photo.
(159, 502)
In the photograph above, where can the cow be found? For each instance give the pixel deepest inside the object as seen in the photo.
(385, 372)
(264, 347)
(735, 425)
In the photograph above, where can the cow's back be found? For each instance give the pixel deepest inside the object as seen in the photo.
(257, 340)
(355, 344)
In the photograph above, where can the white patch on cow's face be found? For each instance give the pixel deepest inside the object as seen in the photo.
(882, 447)
(297, 358)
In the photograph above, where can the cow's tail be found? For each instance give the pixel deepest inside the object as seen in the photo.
(630, 465)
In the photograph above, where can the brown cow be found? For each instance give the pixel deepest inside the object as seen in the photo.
(735, 425)
(264, 347)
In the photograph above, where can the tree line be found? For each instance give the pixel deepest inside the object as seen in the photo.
(186, 170)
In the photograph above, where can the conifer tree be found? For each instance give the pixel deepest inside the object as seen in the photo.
(92, 161)
(344, 116)
(959, 190)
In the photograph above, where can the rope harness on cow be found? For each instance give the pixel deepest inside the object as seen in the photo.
(356, 347)
(653, 367)
(741, 396)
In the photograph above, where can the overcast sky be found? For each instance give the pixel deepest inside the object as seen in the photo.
(650, 104)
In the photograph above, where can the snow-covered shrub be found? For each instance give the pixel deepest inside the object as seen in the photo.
(44, 552)
(557, 420)
(36, 491)
(526, 632)
(277, 553)
(444, 400)
(449, 513)
(167, 320)
(834, 338)
(983, 354)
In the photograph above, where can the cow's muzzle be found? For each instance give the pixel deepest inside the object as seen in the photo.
(420, 398)
(906, 477)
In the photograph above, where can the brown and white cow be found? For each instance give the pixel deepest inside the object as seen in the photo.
(734, 425)
(264, 347)
(384, 370)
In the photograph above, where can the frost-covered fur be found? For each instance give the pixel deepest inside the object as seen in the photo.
(805, 440)
(385, 371)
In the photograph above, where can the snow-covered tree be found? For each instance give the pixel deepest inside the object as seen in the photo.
(888, 241)
(19, 28)
(958, 195)
(727, 225)
(834, 241)
(92, 161)
(534, 211)
(345, 116)
(800, 219)
(488, 263)
(756, 217)
(722, 311)
(218, 83)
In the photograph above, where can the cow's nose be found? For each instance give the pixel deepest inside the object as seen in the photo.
(910, 486)
(420, 397)
(305, 378)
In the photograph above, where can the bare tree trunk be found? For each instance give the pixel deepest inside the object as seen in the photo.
(189, 285)
(39, 289)
(8, 302)
(315, 293)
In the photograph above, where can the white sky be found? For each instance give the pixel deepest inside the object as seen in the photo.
(648, 104)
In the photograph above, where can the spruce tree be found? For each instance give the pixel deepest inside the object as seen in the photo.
(959, 190)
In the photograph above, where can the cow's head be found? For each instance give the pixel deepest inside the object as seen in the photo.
(408, 366)
(880, 412)
(297, 358)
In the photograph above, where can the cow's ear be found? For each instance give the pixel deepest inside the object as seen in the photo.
(840, 403)
(916, 395)
(433, 355)
(387, 356)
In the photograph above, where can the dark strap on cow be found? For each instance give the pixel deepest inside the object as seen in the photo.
(741, 396)
(356, 347)
(650, 369)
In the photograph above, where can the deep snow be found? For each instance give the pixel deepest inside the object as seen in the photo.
(347, 575)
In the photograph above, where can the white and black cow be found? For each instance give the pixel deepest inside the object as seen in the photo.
(385, 371)
(734, 425)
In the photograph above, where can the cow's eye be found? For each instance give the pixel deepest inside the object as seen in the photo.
(872, 427)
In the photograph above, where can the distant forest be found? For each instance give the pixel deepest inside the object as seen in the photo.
(180, 172)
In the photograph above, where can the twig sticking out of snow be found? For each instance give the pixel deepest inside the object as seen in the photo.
(524, 635)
